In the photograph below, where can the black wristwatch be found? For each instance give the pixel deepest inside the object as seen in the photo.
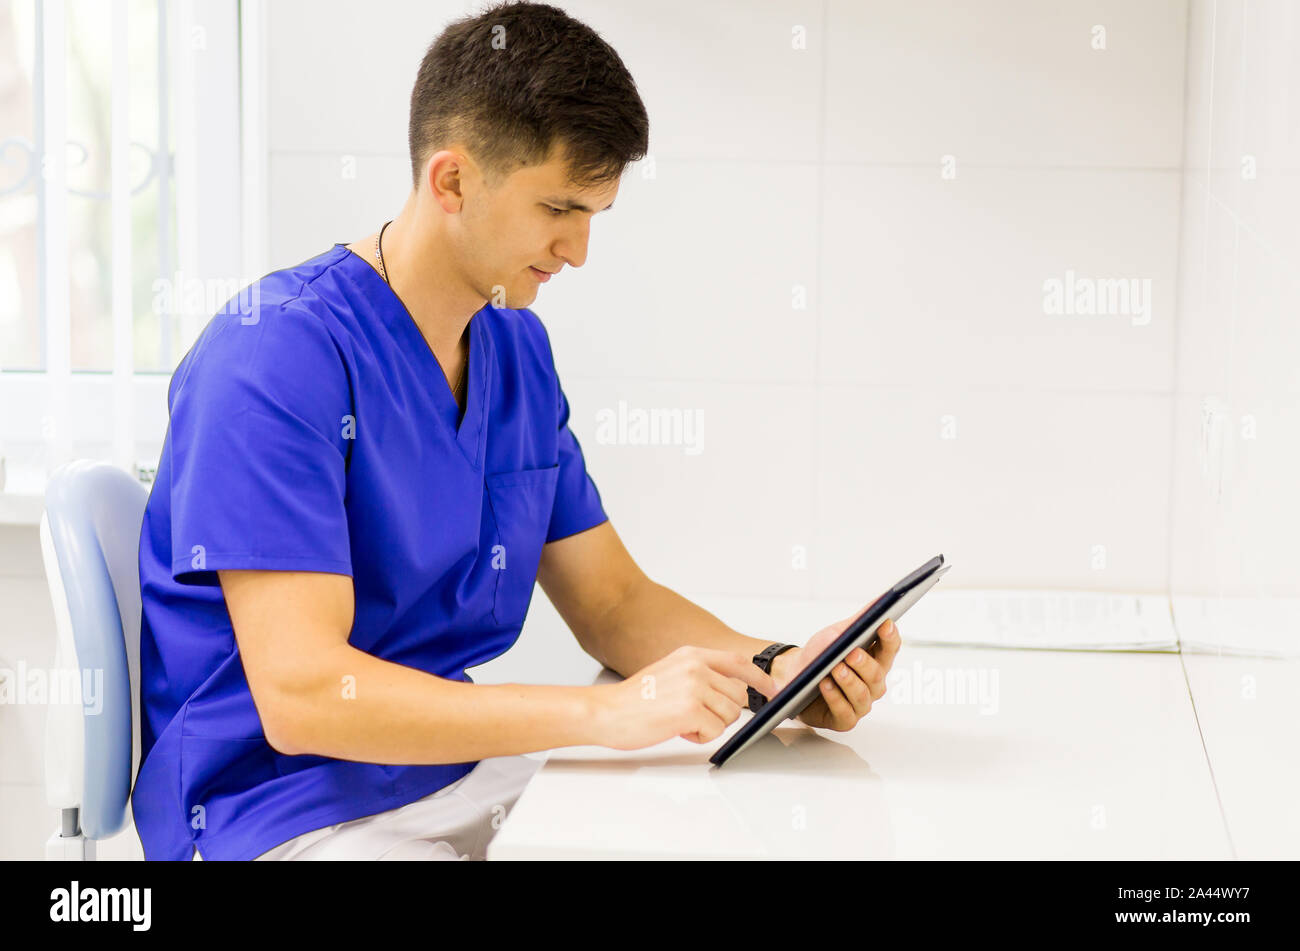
(763, 661)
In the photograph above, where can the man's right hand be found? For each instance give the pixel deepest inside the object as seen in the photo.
(694, 693)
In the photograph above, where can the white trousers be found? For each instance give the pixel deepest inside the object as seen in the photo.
(456, 822)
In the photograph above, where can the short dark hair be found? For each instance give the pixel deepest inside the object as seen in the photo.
(519, 80)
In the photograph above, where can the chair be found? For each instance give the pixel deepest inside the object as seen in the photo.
(90, 537)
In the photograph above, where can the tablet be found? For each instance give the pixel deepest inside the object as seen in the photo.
(863, 632)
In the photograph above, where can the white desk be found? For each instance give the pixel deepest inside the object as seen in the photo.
(1083, 755)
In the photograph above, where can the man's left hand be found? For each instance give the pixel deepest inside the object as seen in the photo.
(845, 697)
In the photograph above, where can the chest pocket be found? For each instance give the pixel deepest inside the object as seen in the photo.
(521, 508)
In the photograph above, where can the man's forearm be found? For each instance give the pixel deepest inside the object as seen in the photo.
(356, 706)
(652, 621)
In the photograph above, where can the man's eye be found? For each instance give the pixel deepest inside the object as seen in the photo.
(556, 212)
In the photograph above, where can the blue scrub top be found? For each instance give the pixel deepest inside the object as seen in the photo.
(315, 431)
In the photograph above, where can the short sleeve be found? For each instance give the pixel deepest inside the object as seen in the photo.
(577, 504)
(257, 443)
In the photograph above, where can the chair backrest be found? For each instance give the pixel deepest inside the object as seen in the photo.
(90, 538)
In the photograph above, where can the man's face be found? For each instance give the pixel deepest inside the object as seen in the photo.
(532, 224)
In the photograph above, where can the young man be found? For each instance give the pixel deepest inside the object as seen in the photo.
(365, 474)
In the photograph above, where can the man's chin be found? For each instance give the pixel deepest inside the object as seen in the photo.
(516, 301)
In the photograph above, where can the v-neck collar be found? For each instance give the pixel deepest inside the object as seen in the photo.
(468, 435)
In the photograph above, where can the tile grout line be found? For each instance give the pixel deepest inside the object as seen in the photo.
(1180, 301)
(1182, 662)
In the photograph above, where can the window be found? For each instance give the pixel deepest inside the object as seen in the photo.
(88, 106)
(100, 157)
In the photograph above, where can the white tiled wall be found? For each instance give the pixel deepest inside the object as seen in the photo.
(28, 627)
(864, 339)
(834, 258)
(949, 412)
(1237, 436)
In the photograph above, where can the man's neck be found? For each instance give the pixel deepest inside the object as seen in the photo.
(416, 266)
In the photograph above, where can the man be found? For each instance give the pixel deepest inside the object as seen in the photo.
(366, 472)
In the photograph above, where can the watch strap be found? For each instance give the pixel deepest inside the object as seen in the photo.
(763, 661)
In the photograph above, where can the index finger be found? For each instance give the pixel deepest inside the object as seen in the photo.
(742, 668)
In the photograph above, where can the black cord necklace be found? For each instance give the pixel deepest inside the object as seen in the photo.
(379, 252)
